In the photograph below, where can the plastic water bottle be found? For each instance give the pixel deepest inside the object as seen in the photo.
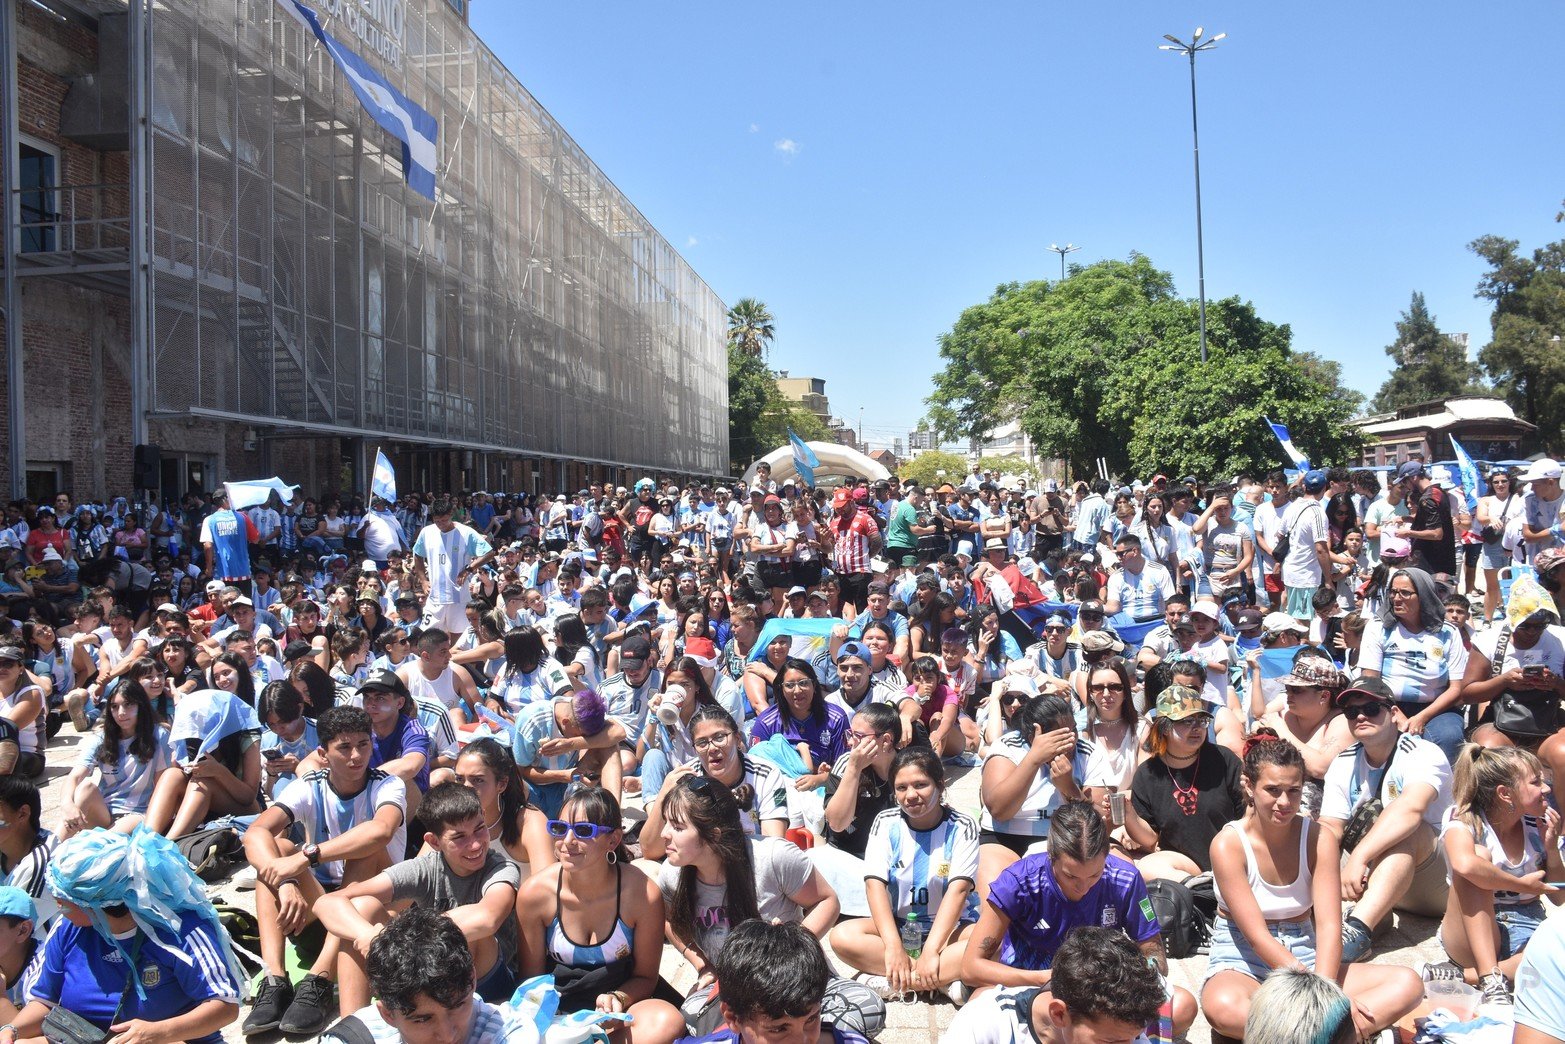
(912, 936)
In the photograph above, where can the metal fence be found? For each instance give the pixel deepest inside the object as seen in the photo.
(531, 308)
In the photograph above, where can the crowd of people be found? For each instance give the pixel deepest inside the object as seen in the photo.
(487, 738)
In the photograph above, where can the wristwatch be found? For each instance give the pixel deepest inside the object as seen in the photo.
(312, 852)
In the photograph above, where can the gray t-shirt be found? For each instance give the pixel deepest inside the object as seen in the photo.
(430, 883)
(780, 871)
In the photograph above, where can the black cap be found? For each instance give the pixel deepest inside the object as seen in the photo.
(297, 649)
(1373, 688)
(406, 598)
(634, 652)
(384, 679)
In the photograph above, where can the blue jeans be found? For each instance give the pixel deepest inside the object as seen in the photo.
(1444, 730)
(654, 769)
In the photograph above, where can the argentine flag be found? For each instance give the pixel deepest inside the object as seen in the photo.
(383, 482)
(804, 459)
(1299, 459)
(409, 124)
(248, 494)
(1464, 462)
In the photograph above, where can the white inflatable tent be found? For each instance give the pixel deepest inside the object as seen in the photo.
(835, 458)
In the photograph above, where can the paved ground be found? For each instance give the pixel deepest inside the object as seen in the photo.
(1407, 942)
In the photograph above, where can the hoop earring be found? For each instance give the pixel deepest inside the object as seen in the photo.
(613, 857)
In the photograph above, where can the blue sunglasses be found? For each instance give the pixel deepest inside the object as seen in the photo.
(585, 831)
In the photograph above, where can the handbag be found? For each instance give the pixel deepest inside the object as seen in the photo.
(1522, 715)
(1493, 533)
(62, 1026)
(1367, 811)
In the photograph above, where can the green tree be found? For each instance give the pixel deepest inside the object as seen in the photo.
(751, 327)
(1524, 359)
(1429, 365)
(758, 415)
(1107, 364)
(926, 467)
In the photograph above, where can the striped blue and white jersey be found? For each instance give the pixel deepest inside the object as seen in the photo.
(1043, 798)
(436, 719)
(324, 813)
(127, 782)
(1416, 666)
(918, 866)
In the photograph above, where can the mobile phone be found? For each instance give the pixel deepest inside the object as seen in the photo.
(1533, 670)
(271, 753)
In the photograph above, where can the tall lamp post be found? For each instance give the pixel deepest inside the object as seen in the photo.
(1190, 50)
(1068, 248)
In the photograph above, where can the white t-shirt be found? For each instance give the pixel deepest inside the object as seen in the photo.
(1043, 798)
(1540, 980)
(382, 535)
(1417, 667)
(1548, 650)
(1381, 513)
(1003, 1015)
(1268, 526)
(1416, 761)
(1305, 523)
(1542, 514)
(917, 866)
(1142, 594)
(324, 814)
(1214, 689)
(780, 871)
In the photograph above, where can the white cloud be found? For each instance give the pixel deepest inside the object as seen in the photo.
(754, 127)
(786, 146)
(690, 242)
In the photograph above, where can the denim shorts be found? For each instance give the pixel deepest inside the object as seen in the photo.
(1231, 951)
(1516, 925)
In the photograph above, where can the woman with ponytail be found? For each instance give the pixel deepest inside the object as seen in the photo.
(1502, 844)
(517, 828)
(1279, 904)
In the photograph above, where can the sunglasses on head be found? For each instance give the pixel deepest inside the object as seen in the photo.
(583, 831)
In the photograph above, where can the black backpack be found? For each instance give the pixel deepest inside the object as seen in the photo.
(1186, 926)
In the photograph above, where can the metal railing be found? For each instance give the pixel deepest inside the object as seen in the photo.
(74, 219)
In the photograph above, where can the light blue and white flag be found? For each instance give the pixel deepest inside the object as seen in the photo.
(403, 120)
(1469, 470)
(1299, 459)
(383, 481)
(804, 459)
(249, 494)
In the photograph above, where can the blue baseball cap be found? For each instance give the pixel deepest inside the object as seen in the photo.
(16, 903)
(858, 650)
(1315, 480)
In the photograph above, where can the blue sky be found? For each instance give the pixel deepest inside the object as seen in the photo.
(869, 169)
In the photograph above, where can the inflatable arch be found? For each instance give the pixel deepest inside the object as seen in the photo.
(835, 458)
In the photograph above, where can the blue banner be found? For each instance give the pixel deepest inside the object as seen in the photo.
(383, 481)
(1469, 470)
(1300, 461)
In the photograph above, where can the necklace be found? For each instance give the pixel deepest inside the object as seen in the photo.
(1185, 794)
(494, 828)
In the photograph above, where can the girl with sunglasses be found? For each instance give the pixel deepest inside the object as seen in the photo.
(595, 922)
(1117, 734)
(1279, 904)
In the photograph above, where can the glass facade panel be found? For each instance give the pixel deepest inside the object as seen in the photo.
(529, 309)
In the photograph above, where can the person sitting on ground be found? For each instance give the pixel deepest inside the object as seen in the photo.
(1293, 1004)
(758, 788)
(663, 744)
(459, 875)
(1118, 737)
(775, 978)
(355, 825)
(715, 878)
(215, 737)
(593, 893)
(799, 713)
(1037, 901)
(401, 743)
(919, 868)
(21, 949)
(1306, 719)
(1502, 843)
(859, 787)
(1420, 657)
(421, 972)
(22, 718)
(1530, 649)
(1028, 774)
(119, 765)
(517, 827)
(289, 738)
(431, 678)
(1185, 790)
(929, 701)
(1263, 924)
(25, 846)
(1393, 790)
(131, 900)
(562, 743)
(1103, 989)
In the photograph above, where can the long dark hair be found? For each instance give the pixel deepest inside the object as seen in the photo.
(687, 666)
(570, 637)
(321, 693)
(244, 688)
(513, 791)
(598, 806)
(709, 806)
(524, 649)
(144, 743)
(817, 701)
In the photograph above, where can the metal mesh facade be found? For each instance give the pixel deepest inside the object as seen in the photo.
(296, 278)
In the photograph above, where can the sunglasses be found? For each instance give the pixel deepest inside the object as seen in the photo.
(1367, 711)
(583, 831)
(1013, 697)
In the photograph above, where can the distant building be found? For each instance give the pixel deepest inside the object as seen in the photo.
(920, 440)
(808, 392)
(886, 459)
(1485, 426)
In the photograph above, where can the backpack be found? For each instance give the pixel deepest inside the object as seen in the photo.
(212, 852)
(1185, 926)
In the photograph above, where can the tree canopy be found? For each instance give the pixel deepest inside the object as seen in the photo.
(751, 326)
(1523, 358)
(758, 414)
(1107, 364)
(1429, 365)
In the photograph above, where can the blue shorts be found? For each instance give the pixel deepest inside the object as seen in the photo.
(1495, 556)
(1301, 603)
(1231, 951)
(1516, 924)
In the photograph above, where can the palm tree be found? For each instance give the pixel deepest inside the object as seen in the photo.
(750, 326)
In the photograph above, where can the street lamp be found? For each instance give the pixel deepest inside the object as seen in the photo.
(1190, 50)
(1068, 248)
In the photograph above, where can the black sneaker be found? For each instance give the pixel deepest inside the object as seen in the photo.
(314, 1006)
(272, 998)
